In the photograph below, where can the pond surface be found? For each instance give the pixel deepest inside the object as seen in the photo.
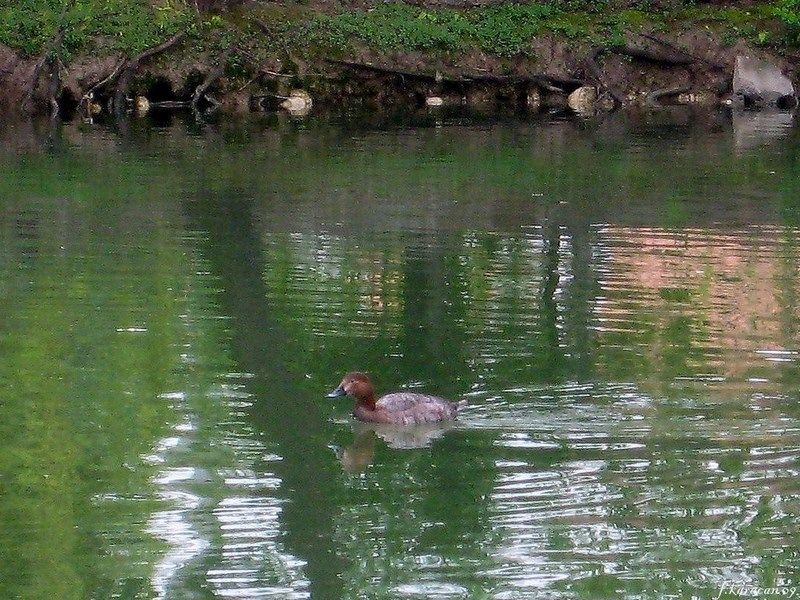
(618, 301)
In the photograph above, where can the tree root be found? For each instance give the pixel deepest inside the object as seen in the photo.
(127, 72)
(654, 97)
(597, 73)
(211, 78)
(671, 59)
(50, 59)
(550, 83)
(111, 78)
(681, 51)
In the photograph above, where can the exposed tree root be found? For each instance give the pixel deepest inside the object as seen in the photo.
(111, 78)
(681, 51)
(654, 97)
(48, 59)
(211, 78)
(597, 74)
(650, 55)
(130, 67)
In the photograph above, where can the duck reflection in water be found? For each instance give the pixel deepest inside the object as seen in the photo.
(359, 455)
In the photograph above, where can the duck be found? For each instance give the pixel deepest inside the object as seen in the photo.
(398, 408)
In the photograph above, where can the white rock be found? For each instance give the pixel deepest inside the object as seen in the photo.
(298, 102)
(583, 99)
(434, 101)
(758, 82)
(141, 104)
(533, 100)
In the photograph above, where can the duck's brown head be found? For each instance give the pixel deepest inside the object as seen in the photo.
(356, 385)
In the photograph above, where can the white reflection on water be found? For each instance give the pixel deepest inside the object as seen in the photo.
(643, 506)
(173, 525)
(221, 517)
(752, 128)
(226, 511)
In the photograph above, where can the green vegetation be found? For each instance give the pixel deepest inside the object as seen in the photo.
(788, 12)
(127, 25)
(506, 29)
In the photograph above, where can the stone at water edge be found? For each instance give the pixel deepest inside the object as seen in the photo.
(298, 102)
(583, 99)
(141, 105)
(434, 101)
(758, 82)
(533, 99)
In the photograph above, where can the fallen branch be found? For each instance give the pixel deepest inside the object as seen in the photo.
(273, 96)
(549, 87)
(436, 77)
(169, 104)
(654, 56)
(655, 96)
(549, 82)
(272, 73)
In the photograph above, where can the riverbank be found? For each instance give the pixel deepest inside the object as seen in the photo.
(128, 56)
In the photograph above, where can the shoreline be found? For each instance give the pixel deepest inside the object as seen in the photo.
(243, 62)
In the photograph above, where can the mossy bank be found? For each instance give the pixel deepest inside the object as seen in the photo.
(113, 56)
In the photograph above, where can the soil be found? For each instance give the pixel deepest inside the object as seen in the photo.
(690, 65)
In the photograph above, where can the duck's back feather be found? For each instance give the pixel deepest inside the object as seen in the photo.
(407, 408)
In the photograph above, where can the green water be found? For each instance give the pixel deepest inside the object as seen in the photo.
(618, 301)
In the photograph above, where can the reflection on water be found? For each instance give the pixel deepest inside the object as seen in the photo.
(627, 342)
(756, 128)
(360, 454)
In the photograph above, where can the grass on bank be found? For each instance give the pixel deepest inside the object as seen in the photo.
(130, 26)
(507, 29)
(125, 25)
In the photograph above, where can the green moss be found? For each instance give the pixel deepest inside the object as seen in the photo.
(765, 23)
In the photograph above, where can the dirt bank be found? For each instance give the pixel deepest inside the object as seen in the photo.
(644, 66)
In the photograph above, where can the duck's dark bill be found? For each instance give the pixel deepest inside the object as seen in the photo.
(339, 391)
